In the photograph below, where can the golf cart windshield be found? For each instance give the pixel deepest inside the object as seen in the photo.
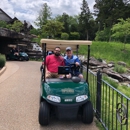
(50, 44)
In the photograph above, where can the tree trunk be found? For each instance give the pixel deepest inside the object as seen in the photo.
(87, 34)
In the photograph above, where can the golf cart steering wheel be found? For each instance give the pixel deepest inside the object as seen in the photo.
(74, 67)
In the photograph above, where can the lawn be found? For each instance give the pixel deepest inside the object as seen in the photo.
(109, 51)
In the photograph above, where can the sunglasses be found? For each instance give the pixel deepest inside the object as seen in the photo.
(57, 50)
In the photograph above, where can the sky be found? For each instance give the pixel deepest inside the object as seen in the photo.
(29, 9)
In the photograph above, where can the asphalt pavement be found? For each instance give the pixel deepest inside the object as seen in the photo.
(19, 100)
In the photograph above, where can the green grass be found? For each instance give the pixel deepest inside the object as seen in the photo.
(120, 69)
(109, 100)
(109, 51)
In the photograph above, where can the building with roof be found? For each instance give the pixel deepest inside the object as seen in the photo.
(8, 37)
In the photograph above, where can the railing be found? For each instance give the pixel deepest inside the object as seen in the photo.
(111, 107)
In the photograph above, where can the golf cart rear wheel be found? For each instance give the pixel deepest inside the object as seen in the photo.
(21, 58)
(7, 58)
(44, 113)
(27, 59)
(87, 116)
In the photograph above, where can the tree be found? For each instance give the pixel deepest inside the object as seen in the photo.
(16, 26)
(74, 36)
(70, 23)
(84, 20)
(73, 23)
(34, 31)
(121, 29)
(64, 36)
(53, 28)
(3, 24)
(108, 12)
(44, 15)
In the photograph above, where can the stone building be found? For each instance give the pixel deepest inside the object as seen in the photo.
(10, 37)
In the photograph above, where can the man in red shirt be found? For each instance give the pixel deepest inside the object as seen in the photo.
(52, 63)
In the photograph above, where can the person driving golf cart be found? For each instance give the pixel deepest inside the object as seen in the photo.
(70, 60)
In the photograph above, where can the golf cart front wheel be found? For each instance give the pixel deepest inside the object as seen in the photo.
(87, 116)
(44, 113)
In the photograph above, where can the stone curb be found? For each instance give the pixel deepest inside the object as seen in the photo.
(2, 70)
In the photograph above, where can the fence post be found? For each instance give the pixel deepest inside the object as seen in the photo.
(98, 96)
(81, 67)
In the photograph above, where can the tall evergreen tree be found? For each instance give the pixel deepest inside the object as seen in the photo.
(65, 20)
(44, 15)
(109, 11)
(84, 20)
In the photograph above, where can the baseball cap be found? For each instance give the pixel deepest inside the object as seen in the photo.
(68, 49)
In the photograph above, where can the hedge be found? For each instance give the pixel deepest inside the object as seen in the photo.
(2, 60)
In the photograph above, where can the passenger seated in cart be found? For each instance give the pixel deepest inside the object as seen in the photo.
(14, 51)
(53, 62)
(72, 59)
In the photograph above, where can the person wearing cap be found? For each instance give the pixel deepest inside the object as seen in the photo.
(72, 59)
(52, 63)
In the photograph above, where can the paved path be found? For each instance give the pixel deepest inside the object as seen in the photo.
(19, 100)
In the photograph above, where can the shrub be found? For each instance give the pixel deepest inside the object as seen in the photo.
(120, 69)
(74, 36)
(64, 36)
(2, 60)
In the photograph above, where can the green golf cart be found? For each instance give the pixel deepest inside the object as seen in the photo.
(62, 97)
(21, 57)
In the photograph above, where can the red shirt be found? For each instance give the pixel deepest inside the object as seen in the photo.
(52, 63)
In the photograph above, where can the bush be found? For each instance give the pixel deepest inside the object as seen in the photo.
(74, 36)
(64, 36)
(2, 60)
(120, 69)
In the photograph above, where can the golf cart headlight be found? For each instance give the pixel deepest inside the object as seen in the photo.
(54, 98)
(81, 98)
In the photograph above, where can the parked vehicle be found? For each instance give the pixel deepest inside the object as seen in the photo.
(21, 57)
(65, 98)
(36, 47)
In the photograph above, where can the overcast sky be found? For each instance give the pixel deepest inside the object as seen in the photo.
(29, 9)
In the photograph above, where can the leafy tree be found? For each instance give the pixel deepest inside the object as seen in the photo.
(17, 26)
(121, 29)
(3, 24)
(84, 20)
(44, 15)
(34, 31)
(64, 36)
(53, 28)
(103, 35)
(74, 36)
(73, 23)
(64, 18)
(70, 23)
(9, 26)
(109, 11)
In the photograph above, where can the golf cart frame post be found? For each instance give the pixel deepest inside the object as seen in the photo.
(50, 44)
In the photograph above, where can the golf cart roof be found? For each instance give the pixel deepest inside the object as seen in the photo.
(51, 43)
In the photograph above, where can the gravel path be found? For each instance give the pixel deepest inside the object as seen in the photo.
(19, 100)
